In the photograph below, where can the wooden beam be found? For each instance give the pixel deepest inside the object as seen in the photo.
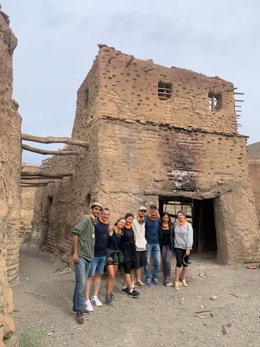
(40, 174)
(51, 139)
(187, 194)
(25, 185)
(41, 181)
(45, 152)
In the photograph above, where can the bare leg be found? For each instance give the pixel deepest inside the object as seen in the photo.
(133, 276)
(97, 281)
(88, 287)
(111, 271)
(127, 280)
(138, 274)
(110, 277)
(115, 271)
(184, 272)
(177, 273)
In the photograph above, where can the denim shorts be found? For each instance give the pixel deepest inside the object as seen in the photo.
(97, 266)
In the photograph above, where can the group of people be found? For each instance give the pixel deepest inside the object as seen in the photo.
(99, 246)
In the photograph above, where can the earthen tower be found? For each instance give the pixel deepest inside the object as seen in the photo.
(156, 134)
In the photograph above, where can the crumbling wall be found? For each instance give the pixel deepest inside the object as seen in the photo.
(10, 165)
(153, 130)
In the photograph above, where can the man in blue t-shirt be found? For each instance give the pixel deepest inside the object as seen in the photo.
(152, 221)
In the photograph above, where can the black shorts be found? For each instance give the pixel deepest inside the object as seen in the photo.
(141, 259)
(179, 254)
(128, 266)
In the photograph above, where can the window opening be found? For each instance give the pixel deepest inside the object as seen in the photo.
(215, 101)
(164, 90)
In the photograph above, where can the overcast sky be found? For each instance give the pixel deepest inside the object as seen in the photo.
(57, 43)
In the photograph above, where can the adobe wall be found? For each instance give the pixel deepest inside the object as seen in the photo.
(27, 206)
(154, 157)
(141, 145)
(10, 165)
(254, 166)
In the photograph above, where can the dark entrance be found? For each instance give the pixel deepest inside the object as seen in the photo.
(198, 212)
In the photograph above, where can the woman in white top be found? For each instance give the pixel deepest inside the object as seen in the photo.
(183, 240)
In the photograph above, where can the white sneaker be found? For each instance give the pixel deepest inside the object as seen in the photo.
(95, 300)
(89, 306)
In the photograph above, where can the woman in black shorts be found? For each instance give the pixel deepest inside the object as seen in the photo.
(127, 246)
(114, 256)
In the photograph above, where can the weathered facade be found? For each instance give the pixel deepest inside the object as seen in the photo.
(254, 166)
(10, 165)
(155, 134)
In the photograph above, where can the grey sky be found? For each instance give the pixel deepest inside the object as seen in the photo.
(57, 43)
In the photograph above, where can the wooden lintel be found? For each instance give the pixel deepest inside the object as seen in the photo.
(24, 185)
(46, 152)
(51, 139)
(36, 181)
(187, 194)
(39, 174)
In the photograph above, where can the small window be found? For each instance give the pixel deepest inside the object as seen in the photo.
(164, 90)
(215, 101)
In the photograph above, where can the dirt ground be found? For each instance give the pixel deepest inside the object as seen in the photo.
(221, 307)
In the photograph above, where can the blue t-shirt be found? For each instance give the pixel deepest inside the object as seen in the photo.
(152, 230)
(101, 235)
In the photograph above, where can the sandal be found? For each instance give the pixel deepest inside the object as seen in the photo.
(184, 283)
(176, 286)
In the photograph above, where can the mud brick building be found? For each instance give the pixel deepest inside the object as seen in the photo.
(156, 134)
(10, 166)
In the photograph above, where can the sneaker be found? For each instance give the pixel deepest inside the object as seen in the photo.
(168, 284)
(112, 296)
(140, 284)
(125, 290)
(155, 282)
(95, 300)
(89, 306)
(79, 318)
(148, 282)
(108, 299)
(134, 293)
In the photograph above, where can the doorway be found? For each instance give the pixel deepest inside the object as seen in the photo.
(200, 213)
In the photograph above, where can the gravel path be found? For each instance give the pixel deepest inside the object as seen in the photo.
(221, 307)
